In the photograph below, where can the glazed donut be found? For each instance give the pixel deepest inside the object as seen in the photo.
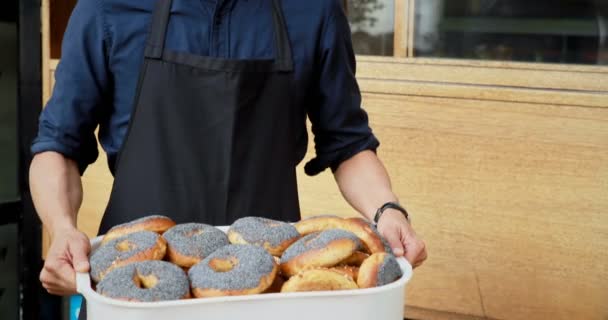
(145, 281)
(237, 269)
(355, 260)
(319, 280)
(134, 247)
(274, 236)
(189, 243)
(377, 270)
(350, 271)
(318, 250)
(155, 223)
(372, 242)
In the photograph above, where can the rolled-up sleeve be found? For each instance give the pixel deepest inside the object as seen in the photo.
(67, 123)
(339, 124)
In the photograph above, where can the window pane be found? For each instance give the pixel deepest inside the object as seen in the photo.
(553, 31)
(8, 101)
(372, 26)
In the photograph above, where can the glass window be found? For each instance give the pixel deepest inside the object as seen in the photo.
(554, 31)
(372, 25)
(8, 101)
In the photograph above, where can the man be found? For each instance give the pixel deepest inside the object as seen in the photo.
(214, 125)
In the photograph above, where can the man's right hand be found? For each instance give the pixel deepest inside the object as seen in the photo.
(68, 254)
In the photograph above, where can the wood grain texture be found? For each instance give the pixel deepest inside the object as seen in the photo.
(491, 64)
(411, 26)
(46, 50)
(484, 74)
(401, 35)
(477, 92)
(416, 313)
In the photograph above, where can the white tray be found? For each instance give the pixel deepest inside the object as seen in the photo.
(383, 303)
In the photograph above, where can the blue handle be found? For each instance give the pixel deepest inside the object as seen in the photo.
(75, 303)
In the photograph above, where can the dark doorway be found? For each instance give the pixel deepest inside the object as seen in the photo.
(9, 186)
(21, 296)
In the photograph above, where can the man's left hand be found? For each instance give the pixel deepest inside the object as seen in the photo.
(402, 238)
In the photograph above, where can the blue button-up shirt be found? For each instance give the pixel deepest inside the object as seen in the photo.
(103, 49)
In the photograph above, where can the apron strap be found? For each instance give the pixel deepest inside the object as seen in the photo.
(155, 45)
(283, 60)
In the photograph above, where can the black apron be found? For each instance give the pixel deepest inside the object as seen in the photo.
(210, 140)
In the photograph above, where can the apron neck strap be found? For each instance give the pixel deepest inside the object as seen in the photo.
(283, 60)
(155, 45)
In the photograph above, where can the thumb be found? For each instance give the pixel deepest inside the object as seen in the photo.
(394, 240)
(80, 255)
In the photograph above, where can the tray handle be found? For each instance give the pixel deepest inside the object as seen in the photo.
(83, 282)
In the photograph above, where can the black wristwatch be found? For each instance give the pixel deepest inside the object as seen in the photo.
(390, 205)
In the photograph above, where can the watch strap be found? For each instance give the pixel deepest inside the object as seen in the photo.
(390, 205)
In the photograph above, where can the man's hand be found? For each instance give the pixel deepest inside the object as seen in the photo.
(401, 236)
(68, 254)
(365, 184)
(57, 194)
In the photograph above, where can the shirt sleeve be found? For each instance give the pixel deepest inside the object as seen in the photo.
(339, 124)
(67, 123)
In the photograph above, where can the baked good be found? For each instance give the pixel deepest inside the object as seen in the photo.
(350, 271)
(377, 270)
(133, 247)
(370, 238)
(154, 223)
(319, 280)
(356, 259)
(318, 250)
(145, 281)
(373, 227)
(272, 235)
(237, 269)
(189, 243)
(276, 285)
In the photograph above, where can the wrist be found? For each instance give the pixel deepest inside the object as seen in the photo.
(371, 208)
(393, 214)
(61, 227)
(391, 208)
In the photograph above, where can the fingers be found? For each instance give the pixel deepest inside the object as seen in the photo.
(68, 253)
(58, 277)
(420, 260)
(415, 251)
(402, 238)
(394, 240)
(79, 250)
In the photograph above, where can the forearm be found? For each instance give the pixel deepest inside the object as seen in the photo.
(56, 190)
(364, 183)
